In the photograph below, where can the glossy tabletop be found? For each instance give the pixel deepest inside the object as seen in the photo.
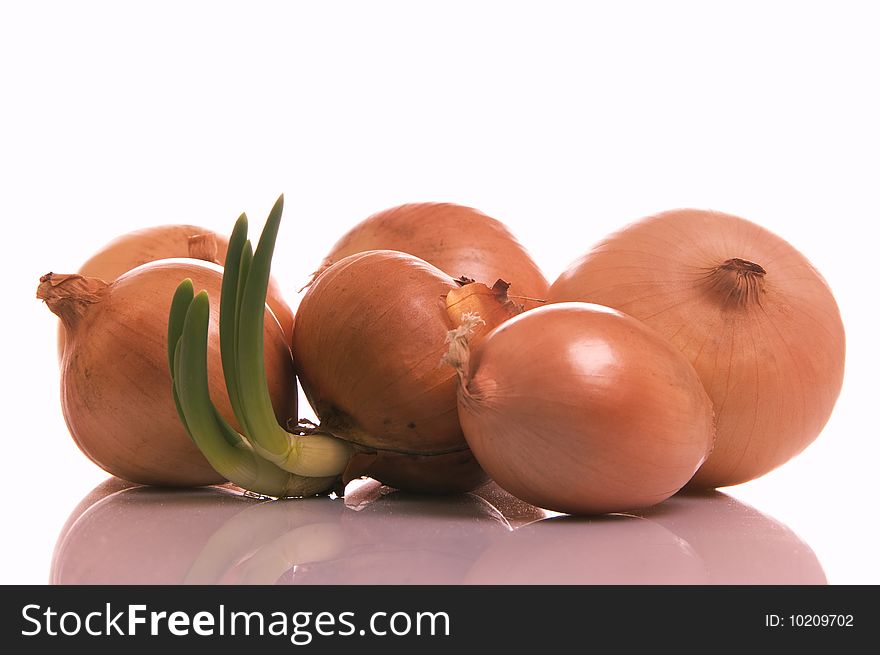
(121, 534)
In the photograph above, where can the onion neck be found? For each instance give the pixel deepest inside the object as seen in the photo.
(70, 296)
(738, 282)
(492, 305)
(204, 247)
(459, 354)
(474, 309)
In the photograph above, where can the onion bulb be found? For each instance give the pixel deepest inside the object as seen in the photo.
(169, 242)
(368, 341)
(115, 383)
(369, 338)
(582, 409)
(461, 241)
(752, 315)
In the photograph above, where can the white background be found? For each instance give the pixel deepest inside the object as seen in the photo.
(564, 120)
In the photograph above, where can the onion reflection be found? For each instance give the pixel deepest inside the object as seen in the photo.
(140, 535)
(708, 538)
(125, 534)
(400, 538)
(122, 534)
(737, 543)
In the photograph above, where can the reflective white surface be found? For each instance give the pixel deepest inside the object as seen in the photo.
(138, 535)
(565, 122)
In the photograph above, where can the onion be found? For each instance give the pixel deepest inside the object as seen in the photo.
(582, 409)
(753, 316)
(115, 385)
(461, 241)
(167, 242)
(369, 339)
(160, 242)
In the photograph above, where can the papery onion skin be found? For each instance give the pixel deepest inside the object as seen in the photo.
(581, 409)
(369, 339)
(115, 383)
(138, 247)
(459, 240)
(754, 317)
(172, 241)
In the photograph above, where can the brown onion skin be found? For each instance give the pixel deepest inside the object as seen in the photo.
(455, 472)
(581, 409)
(116, 386)
(368, 341)
(138, 247)
(170, 241)
(753, 316)
(459, 240)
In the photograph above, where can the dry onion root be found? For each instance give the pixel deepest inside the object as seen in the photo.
(115, 386)
(377, 321)
(579, 408)
(754, 317)
(170, 241)
(461, 241)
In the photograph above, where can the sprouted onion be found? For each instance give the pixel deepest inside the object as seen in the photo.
(262, 457)
(115, 385)
(351, 344)
(369, 341)
(171, 241)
